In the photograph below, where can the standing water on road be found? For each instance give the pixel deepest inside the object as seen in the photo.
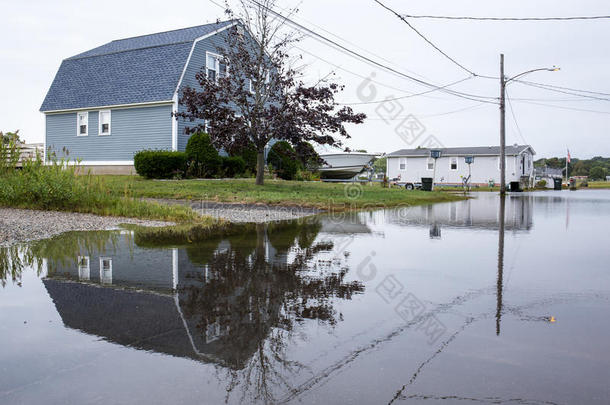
(481, 300)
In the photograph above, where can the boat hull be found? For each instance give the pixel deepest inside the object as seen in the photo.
(344, 166)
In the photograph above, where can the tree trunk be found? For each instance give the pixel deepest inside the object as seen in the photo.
(260, 167)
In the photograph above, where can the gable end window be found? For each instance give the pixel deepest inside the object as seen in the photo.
(82, 123)
(453, 163)
(215, 66)
(403, 164)
(104, 122)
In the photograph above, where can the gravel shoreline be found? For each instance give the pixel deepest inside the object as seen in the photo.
(236, 212)
(19, 225)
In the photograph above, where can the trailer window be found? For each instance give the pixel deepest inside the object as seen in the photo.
(453, 165)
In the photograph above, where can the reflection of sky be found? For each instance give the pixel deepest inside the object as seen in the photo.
(552, 269)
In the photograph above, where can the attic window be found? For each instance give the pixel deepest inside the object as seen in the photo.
(215, 66)
(104, 122)
(82, 124)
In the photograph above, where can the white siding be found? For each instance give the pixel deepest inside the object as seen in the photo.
(483, 169)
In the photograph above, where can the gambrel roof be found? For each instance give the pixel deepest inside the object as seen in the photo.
(143, 69)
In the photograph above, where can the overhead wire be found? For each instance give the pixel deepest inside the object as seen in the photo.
(570, 18)
(512, 113)
(322, 38)
(425, 38)
(557, 90)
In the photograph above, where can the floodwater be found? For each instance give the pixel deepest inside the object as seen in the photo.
(449, 303)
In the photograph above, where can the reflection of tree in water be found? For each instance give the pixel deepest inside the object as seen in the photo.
(248, 302)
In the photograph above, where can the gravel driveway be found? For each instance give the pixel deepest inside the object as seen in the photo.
(235, 212)
(18, 225)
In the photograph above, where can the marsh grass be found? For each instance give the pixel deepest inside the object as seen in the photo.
(59, 186)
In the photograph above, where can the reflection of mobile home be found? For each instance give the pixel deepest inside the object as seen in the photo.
(473, 213)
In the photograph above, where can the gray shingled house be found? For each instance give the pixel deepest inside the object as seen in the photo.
(107, 103)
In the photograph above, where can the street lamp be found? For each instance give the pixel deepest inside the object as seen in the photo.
(469, 160)
(503, 82)
(434, 154)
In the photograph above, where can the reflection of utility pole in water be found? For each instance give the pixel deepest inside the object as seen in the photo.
(500, 280)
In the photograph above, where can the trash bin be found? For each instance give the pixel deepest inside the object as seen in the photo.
(515, 186)
(572, 184)
(426, 183)
(557, 184)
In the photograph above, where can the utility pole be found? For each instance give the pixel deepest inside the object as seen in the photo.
(503, 82)
(502, 127)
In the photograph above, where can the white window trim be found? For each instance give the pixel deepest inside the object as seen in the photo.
(430, 160)
(457, 166)
(217, 64)
(84, 271)
(400, 162)
(99, 123)
(102, 278)
(78, 115)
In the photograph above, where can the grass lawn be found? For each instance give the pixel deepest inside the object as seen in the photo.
(599, 184)
(277, 192)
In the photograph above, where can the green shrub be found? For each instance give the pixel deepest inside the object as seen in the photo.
(233, 166)
(248, 154)
(159, 164)
(306, 175)
(541, 184)
(203, 158)
(282, 158)
(307, 156)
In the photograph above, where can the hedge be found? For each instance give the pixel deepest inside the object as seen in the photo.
(159, 164)
(233, 166)
(282, 158)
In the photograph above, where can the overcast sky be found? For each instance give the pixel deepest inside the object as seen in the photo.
(37, 35)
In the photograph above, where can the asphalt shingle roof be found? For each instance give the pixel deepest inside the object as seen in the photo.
(133, 70)
(463, 151)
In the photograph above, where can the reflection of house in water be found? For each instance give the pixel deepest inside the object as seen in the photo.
(344, 223)
(216, 301)
(479, 213)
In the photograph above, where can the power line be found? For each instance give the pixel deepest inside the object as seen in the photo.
(408, 95)
(563, 88)
(362, 76)
(564, 108)
(437, 17)
(512, 113)
(426, 39)
(472, 107)
(563, 91)
(368, 60)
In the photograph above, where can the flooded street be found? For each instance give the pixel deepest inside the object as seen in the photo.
(483, 301)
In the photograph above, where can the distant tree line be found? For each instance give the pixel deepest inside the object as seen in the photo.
(596, 168)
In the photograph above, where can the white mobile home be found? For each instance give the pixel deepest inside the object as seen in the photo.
(411, 165)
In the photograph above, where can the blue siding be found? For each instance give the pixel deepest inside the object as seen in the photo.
(132, 129)
(197, 61)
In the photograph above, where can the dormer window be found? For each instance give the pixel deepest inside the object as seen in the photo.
(104, 122)
(82, 123)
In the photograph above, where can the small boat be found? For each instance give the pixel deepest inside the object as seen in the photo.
(344, 166)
